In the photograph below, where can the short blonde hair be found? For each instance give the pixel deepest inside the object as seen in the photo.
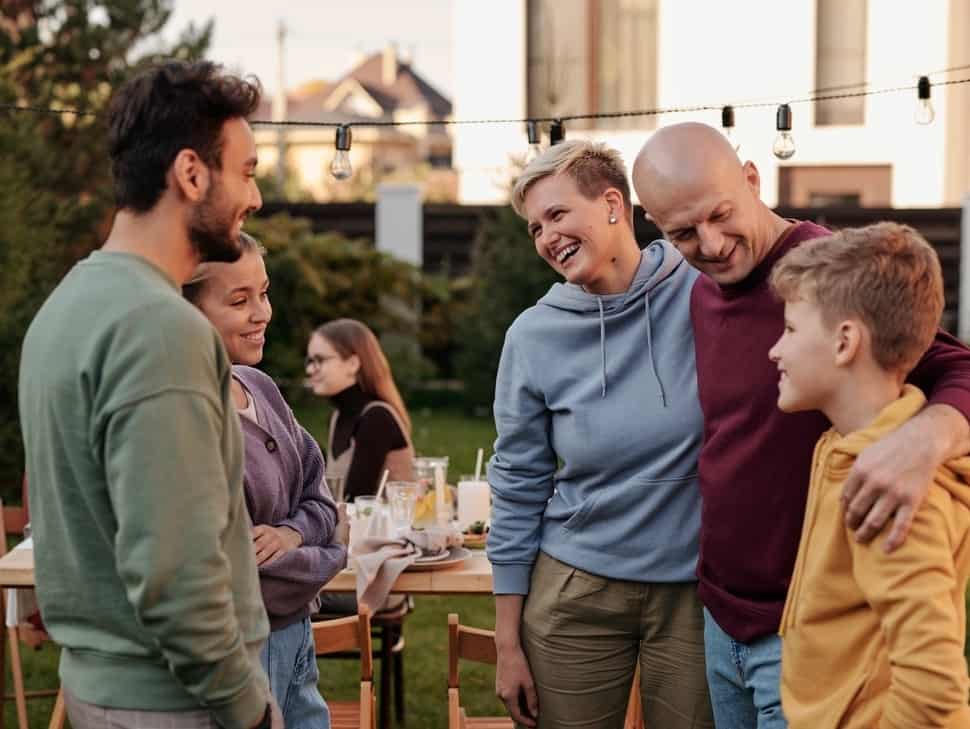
(593, 166)
(885, 274)
(193, 288)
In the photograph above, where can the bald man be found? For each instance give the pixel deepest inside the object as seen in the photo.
(755, 461)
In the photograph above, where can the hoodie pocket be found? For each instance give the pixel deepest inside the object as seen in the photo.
(579, 519)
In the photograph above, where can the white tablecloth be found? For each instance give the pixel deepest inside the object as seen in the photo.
(21, 601)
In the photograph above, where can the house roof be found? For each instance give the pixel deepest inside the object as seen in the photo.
(408, 88)
(311, 101)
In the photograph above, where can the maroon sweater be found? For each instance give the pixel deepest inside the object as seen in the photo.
(756, 460)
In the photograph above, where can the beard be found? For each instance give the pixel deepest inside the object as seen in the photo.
(211, 229)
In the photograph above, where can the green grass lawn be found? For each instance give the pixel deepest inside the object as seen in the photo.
(426, 629)
(426, 655)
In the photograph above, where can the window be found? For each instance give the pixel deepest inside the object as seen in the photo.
(840, 58)
(558, 46)
(835, 186)
(626, 73)
(588, 56)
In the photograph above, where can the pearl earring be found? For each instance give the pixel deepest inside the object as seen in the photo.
(612, 219)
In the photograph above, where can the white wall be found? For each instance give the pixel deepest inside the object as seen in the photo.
(714, 52)
(490, 81)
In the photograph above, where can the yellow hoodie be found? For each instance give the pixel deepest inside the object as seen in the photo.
(870, 639)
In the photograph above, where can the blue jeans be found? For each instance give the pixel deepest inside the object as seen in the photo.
(744, 679)
(290, 662)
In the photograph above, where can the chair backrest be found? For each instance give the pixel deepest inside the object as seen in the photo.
(344, 634)
(470, 644)
(13, 521)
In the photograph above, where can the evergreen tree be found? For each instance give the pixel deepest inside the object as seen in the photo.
(56, 204)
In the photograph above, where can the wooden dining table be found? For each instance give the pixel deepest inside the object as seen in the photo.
(471, 577)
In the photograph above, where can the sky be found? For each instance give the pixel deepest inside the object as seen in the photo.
(323, 36)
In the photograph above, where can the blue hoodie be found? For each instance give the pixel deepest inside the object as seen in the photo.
(599, 428)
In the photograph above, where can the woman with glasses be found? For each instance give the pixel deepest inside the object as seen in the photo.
(370, 430)
(294, 518)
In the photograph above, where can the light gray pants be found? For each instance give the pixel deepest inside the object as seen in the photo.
(89, 716)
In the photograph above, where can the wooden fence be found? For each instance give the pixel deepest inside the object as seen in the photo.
(450, 232)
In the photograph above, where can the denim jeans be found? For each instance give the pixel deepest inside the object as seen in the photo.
(744, 679)
(290, 662)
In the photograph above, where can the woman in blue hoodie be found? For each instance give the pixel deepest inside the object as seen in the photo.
(596, 506)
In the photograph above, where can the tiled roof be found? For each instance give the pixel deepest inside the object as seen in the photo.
(307, 102)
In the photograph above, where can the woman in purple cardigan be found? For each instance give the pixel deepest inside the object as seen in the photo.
(294, 518)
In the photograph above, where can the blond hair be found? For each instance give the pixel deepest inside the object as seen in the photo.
(885, 274)
(193, 288)
(593, 166)
(350, 337)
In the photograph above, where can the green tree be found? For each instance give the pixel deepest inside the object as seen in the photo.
(56, 205)
(315, 277)
(508, 277)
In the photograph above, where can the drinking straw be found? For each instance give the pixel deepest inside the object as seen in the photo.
(478, 464)
(380, 489)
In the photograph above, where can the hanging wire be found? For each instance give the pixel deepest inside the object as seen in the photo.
(811, 97)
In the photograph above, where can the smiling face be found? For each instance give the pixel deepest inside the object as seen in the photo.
(329, 373)
(806, 355)
(216, 221)
(235, 299)
(572, 233)
(714, 222)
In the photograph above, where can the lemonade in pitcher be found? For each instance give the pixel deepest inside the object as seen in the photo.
(426, 510)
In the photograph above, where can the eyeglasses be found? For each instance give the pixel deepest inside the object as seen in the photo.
(316, 360)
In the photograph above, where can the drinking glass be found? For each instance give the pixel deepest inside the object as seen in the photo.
(424, 468)
(402, 497)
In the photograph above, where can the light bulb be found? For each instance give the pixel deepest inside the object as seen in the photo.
(340, 167)
(784, 146)
(557, 132)
(727, 124)
(925, 113)
(532, 133)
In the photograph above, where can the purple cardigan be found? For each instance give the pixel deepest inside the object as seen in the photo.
(284, 485)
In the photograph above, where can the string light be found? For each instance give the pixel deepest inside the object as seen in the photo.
(340, 167)
(532, 132)
(784, 146)
(924, 107)
(557, 132)
(727, 123)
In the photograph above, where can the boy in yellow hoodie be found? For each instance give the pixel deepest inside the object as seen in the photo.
(869, 639)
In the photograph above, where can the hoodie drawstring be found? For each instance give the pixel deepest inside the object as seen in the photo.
(602, 345)
(653, 364)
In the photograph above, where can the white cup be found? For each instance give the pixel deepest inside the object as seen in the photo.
(474, 502)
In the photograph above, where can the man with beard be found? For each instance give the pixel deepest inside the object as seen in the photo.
(145, 568)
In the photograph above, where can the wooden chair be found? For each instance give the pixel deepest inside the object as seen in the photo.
(470, 644)
(387, 626)
(474, 644)
(13, 521)
(344, 634)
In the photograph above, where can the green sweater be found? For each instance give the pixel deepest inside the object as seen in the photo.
(144, 561)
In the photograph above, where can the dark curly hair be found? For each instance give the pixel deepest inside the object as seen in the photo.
(170, 107)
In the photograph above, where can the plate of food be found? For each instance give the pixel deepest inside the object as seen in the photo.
(452, 557)
(425, 556)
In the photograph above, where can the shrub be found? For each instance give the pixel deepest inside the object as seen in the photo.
(315, 277)
(507, 277)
